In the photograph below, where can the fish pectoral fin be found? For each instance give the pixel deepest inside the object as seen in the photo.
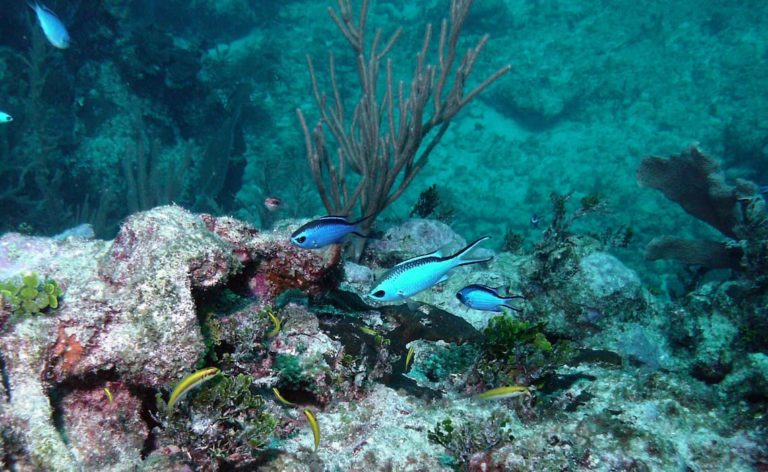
(442, 279)
(412, 304)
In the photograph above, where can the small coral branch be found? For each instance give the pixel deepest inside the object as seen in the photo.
(381, 140)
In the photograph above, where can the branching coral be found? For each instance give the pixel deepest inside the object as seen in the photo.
(382, 142)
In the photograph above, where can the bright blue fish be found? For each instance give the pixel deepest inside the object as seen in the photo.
(482, 297)
(5, 117)
(420, 273)
(325, 231)
(52, 26)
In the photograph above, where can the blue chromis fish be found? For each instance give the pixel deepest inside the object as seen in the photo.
(54, 30)
(420, 273)
(325, 231)
(482, 297)
(5, 117)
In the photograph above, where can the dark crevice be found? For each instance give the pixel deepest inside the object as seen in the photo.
(60, 391)
(148, 404)
(4, 378)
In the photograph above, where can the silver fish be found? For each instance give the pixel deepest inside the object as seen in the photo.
(420, 273)
(54, 30)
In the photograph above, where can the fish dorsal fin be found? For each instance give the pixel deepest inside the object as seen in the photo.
(460, 258)
(43, 8)
(336, 218)
(500, 290)
(438, 253)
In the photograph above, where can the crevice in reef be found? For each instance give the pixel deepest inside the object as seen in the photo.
(4, 379)
(58, 392)
(148, 404)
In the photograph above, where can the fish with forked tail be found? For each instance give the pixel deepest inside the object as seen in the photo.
(485, 298)
(53, 28)
(420, 273)
(325, 231)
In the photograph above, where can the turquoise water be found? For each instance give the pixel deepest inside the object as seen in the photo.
(630, 361)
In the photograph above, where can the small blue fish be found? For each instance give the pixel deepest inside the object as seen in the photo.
(420, 273)
(326, 231)
(5, 117)
(52, 26)
(482, 297)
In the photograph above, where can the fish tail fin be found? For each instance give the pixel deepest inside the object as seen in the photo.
(358, 231)
(367, 217)
(514, 308)
(460, 256)
(509, 299)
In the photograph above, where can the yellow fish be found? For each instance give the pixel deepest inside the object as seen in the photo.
(188, 383)
(505, 392)
(281, 398)
(409, 357)
(313, 424)
(275, 321)
(368, 331)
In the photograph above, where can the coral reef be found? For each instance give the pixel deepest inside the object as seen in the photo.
(625, 363)
(104, 430)
(222, 426)
(129, 310)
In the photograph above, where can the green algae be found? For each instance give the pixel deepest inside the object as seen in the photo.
(222, 420)
(31, 295)
(463, 440)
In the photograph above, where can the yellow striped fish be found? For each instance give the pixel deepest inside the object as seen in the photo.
(314, 425)
(188, 383)
(505, 392)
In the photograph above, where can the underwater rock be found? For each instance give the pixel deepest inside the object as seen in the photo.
(605, 290)
(603, 277)
(305, 356)
(749, 380)
(641, 345)
(84, 231)
(357, 278)
(167, 242)
(412, 238)
(379, 432)
(539, 104)
(274, 265)
(128, 309)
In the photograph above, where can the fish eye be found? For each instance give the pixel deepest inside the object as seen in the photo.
(301, 239)
(378, 293)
